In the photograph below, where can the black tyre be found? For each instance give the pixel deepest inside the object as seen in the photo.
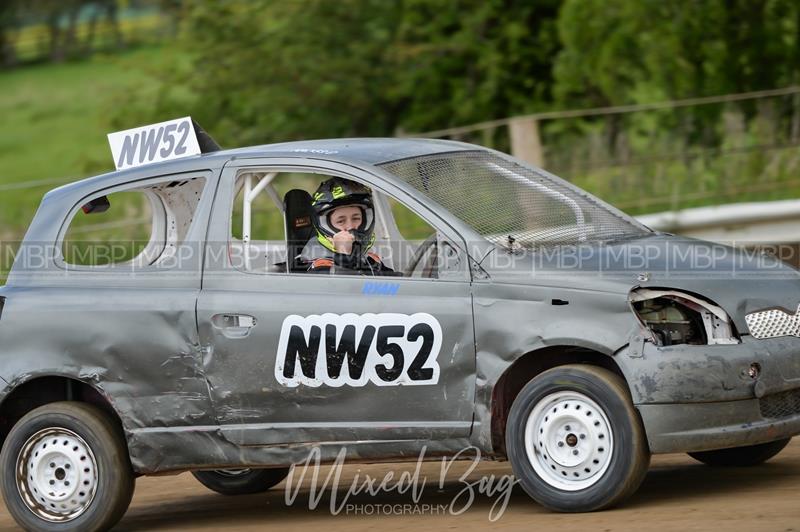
(65, 466)
(575, 441)
(741, 456)
(241, 481)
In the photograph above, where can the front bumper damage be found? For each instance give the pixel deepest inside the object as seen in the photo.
(705, 426)
(704, 397)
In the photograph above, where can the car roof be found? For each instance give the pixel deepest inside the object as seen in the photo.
(360, 151)
(364, 150)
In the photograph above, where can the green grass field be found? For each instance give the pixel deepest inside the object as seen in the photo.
(55, 125)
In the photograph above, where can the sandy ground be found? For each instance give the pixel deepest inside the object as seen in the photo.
(678, 494)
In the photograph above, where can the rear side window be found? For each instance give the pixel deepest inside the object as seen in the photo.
(118, 234)
(138, 227)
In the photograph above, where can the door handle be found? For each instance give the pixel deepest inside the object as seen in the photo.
(234, 325)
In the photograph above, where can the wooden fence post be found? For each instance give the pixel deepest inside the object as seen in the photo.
(525, 141)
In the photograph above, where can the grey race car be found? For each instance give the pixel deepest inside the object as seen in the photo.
(533, 322)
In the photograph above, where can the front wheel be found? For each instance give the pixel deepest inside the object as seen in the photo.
(741, 456)
(575, 441)
(65, 466)
(240, 481)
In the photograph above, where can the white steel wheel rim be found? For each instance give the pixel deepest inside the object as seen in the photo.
(569, 441)
(56, 475)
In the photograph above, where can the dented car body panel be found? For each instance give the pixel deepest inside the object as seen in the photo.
(193, 357)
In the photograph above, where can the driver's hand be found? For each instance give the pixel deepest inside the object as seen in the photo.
(343, 242)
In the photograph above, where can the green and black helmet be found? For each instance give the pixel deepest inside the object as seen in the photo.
(338, 192)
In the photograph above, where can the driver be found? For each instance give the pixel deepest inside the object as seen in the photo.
(344, 221)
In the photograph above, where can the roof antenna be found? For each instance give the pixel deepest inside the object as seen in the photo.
(204, 140)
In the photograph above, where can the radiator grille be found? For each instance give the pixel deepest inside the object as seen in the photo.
(782, 404)
(773, 323)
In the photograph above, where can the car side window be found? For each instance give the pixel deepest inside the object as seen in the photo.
(258, 233)
(275, 228)
(414, 244)
(137, 226)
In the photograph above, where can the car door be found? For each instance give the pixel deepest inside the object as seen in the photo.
(295, 357)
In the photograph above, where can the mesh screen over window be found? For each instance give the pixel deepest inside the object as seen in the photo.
(511, 205)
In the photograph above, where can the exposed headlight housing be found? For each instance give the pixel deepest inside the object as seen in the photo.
(672, 317)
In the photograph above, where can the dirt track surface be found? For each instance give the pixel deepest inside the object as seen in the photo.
(678, 494)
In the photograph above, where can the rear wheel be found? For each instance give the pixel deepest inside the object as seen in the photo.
(65, 466)
(741, 456)
(241, 481)
(575, 441)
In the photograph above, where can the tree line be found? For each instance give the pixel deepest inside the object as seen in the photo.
(72, 27)
(266, 70)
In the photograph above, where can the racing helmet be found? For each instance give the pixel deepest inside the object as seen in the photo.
(338, 192)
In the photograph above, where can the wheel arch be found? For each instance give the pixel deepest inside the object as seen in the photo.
(527, 367)
(40, 390)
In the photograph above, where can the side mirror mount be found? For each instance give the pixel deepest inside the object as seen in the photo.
(97, 205)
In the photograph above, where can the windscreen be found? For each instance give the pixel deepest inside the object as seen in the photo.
(512, 205)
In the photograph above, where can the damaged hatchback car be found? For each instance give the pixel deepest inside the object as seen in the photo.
(164, 318)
